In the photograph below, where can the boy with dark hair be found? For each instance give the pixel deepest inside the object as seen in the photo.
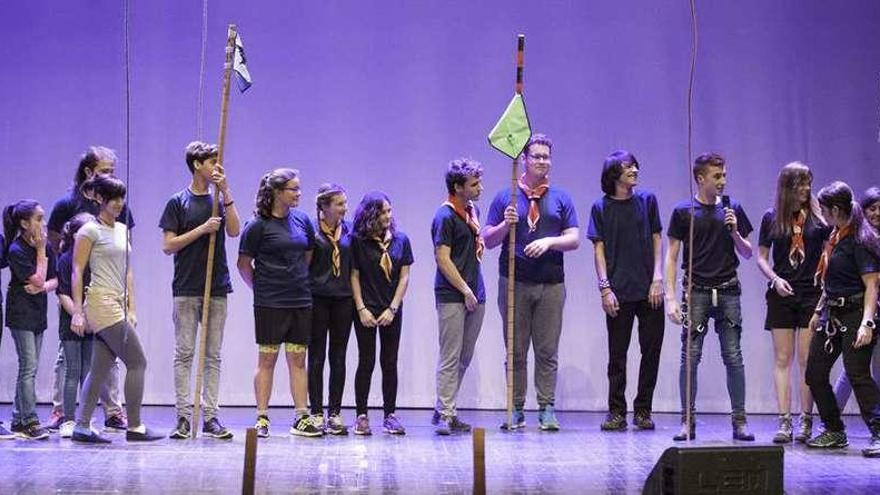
(187, 224)
(625, 230)
(721, 230)
(458, 287)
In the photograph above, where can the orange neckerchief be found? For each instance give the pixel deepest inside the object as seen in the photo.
(796, 252)
(466, 213)
(385, 260)
(837, 235)
(534, 194)
(333, 235)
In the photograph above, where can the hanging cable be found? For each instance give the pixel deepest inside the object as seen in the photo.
(126, 55)
(690, 262)
(200, 112)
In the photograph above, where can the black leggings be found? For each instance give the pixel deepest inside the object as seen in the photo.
(389, 338)
(331, 315)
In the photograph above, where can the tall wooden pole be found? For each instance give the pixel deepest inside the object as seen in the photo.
(212, 240)
(511, 245)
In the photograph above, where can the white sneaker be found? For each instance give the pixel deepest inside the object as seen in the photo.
(66, 429)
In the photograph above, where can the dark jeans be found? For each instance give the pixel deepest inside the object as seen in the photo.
(78, 360)
(330, 315)
(856, 363)
(389, 338)
(651, 325)
(724, 307)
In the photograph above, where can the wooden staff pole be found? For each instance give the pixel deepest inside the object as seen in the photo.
(511, 245)
(479, 444)
(212, 240)
(250, 462)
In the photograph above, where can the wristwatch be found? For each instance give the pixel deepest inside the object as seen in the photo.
(869, 324)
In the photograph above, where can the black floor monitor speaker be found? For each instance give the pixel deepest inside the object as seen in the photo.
(705, 470)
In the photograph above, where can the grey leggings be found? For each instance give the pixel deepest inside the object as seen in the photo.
(118, 340)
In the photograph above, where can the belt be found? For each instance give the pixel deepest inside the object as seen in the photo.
(844, 301)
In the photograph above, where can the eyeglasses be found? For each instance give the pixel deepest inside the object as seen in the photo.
(537, 157)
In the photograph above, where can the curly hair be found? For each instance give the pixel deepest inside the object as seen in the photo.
(326, 193)
(199, 151)
(68, 232)
(271, 182)
(366, 218)
(459, 170)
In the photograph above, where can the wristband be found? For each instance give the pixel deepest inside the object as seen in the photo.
(227, 205)
(604, 283)
(361, 309)
(393, 310)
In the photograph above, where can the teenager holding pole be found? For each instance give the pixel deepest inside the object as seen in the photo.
(187, 223)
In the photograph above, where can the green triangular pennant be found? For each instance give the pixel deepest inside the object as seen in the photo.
(512, 131)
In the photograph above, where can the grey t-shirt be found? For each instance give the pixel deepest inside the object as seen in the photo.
(107, 260)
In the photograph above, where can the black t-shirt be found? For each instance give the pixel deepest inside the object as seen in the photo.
(324, 283)
(26, 311)
(626, 227)
(815, 234)
(64, 270)
(2, 266)
(715, 259)
(75, 203)
(449, 229)
(278, 247)
(376, 291)
(849, 261)
(184, 212)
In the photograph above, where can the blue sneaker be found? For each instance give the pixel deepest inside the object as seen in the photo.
(547, 419)
(519, 421)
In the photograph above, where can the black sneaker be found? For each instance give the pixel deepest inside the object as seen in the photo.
(182, 431)
(305, 427)
(873, 449)
(435, 419)
(614, 422)
(643, 421)
(829, 440)
(116, 423)
(148, 435)
(459, 426)
(740, 429)
(82, 434)
(32, 431)
(213, 428)
(262, 426)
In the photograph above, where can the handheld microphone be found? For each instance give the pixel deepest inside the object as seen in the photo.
(725, 202)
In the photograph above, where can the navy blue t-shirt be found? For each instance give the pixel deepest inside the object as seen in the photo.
(26, 311)
(324, 283)
(626, 227)
(849, 261)
(64, 270)
(557, 214)
(376, 290)
(715, 259)
(278, 247)
(449, 229)
(815, 234)
(75, 203)
(184, 212)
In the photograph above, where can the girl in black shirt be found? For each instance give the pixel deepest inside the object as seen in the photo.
(848, 272)
(381, 257)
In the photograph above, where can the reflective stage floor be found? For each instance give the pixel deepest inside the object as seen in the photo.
(577, 459)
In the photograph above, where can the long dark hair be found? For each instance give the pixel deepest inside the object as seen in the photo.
(612, 169)
(89, 160)
(366, 218)
(871, 196)
(106, 186)
(270, 183)
(839, 194)
(790, 177)
(70, 229)
(12, 216)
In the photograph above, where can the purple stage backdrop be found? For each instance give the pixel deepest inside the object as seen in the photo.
(380, 95)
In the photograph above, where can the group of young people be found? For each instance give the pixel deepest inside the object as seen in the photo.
(313, 278)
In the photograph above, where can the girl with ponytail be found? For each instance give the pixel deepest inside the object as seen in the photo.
(847, 271)
(32, 265)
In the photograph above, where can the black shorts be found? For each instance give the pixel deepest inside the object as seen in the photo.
(275, 326)
(793, 311)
